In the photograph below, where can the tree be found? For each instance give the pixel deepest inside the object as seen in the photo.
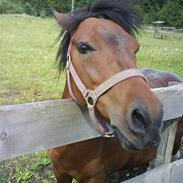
(10, 7)
(29, 10)
(72, 7)
(172, 13)
(148, 10)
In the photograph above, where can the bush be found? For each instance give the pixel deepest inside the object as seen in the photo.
(17, 9)
(9, 7)
(29, 10)
(5, 6)
(172, 13)
(150, 16)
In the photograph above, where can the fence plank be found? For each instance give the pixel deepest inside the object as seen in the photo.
(171, 97)
(38, 126)
(157, 175)
(177, 172)
(29, 128)
(169, 173)
(164, 151)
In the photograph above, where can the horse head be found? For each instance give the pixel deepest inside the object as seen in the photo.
(100, 45)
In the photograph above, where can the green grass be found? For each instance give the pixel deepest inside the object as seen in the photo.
(165, 54)
(28, 73)
(27, 60)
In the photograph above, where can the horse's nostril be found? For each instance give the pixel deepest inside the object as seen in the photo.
(140, 118)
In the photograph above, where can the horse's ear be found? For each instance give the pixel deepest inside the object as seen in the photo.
(61, 18)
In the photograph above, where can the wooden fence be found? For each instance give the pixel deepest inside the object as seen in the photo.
(166, 30)
(33, 127)
(168, 173)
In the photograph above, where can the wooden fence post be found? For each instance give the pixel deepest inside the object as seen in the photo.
(164, 151)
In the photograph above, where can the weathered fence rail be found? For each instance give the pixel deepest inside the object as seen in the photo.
(166, 29)
(168, 173)
(179, 30)
(29, 128)
(38, 126)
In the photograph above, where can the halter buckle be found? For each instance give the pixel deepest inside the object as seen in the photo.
(90, 98)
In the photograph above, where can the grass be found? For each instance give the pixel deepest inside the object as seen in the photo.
(28, 73)
(165, 54)
(27, 60)
(35, 168)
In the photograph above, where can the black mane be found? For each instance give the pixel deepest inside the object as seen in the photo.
(118, 11)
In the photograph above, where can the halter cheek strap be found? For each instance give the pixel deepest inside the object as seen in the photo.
(91, 96)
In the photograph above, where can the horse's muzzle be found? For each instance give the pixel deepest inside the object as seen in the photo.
(144, 128)
(139, 130)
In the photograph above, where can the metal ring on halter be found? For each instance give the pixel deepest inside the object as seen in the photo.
(91, 99)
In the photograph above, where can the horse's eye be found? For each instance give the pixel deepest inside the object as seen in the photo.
(84, 48)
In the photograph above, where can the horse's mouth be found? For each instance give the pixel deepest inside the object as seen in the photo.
(130, 144)
(127, 144)
(128, 140)
(113, 131)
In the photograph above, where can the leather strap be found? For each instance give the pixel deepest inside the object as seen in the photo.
(121, 76)
(91, 96)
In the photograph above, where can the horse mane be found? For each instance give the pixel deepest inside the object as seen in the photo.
(118, 11)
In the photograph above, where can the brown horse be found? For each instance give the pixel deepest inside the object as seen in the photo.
(110, 154)
(99, 43)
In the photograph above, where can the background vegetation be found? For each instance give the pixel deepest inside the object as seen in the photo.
(28, 73)
(149, 10)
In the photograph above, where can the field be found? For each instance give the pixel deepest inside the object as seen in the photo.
(28, 73)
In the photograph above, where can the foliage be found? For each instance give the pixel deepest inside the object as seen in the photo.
(149, 10)
(166, 10)
(29, 10)
(10, 7)
(172, 13)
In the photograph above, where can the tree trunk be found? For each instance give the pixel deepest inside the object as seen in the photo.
(72, 7)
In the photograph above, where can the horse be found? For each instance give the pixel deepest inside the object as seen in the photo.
(98, 49)
(156, 79)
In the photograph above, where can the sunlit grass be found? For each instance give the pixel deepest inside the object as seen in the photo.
(164, 54)
(27, 67)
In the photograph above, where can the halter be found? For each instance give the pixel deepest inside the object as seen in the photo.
(91, 96)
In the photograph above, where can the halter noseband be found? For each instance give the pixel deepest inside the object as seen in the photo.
(91, 96)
